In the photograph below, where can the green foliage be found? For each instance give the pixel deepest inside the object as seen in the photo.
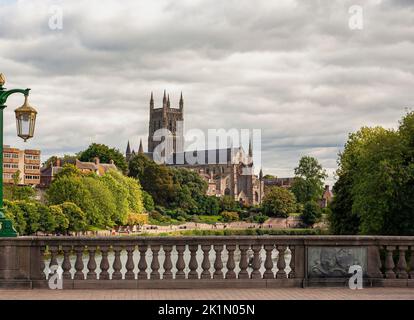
(229, 216)
(15, 192)
(68, 170)
(279, 202)
(31, 215)
(309, 180)
(374, 193)
(47, 220)
(62, 221)
(158, 181)
(73, 189)
(15, 214)
(208, 205)
(105, 155)
(147, 201)
(106, 201)
(227, 203)
(260, 218)
(102, 200)
(120, 195)
(311, 213)
(77, 218)
(137, 165)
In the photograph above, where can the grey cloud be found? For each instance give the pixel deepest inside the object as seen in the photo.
(290, 68)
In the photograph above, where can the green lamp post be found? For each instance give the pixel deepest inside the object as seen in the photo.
(25, 122)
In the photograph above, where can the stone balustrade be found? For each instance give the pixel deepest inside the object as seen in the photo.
(205, 262)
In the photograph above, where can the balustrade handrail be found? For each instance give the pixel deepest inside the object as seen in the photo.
(197, 260)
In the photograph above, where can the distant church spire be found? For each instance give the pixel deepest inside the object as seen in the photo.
(168, 101)
(164, 99)
(261, 174)
(152, 101)
(141, 149)
(250, 148)
(128, 150)
(181, 101)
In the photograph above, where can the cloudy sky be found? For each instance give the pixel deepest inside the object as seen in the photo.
(294, 69)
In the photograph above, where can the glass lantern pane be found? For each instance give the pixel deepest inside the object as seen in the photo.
(25, 124)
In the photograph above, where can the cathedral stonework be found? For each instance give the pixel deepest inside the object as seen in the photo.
(233, 177)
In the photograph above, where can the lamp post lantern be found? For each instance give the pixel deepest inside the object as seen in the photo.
(25, 122)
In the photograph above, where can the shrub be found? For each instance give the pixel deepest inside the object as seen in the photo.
(279, 202)
(229, 216)
(311, 213)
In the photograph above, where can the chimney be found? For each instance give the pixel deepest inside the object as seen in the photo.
(58, 163)
(96, 160)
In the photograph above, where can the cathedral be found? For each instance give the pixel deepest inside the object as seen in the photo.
(233, 177)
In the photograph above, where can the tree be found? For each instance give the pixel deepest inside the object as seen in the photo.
(120, 194)
(103, 200)
(311, 213)
(105, 155)
(62, 221)
(309, 180)
(133, 187)
(158, 181)
(208, 205)
(31, 215)
(15, 192)
(147, 201)
(73, 189)
(279, 202)
(68, 170)
(15, 214)
(75, 215)
(227, 203)
(47, 220)
(374, 191)
(137, 165)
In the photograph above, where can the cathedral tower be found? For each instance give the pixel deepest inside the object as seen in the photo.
(166, 117)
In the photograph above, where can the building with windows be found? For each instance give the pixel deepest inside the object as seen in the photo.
(23, 165)
(48, 173)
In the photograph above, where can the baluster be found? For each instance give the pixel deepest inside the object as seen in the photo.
(281, 263)
(117, 265)
(412, 263)
(292, 262)
(206, 261)
(104, 275)
(256, 261)
(79, 263)
(243, 264)
(193, 265)
(402, 263)
(91, 264)
(53, 257)
(230, 274)
(218, 264)
(389, 263)
(130, 275)
(155, 265)
(66, 266)
(142, 264)
(268, 274)
(167, 262)
(180, 265)
(42, 263)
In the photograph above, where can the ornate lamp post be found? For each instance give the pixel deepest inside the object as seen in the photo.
(25, 122)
